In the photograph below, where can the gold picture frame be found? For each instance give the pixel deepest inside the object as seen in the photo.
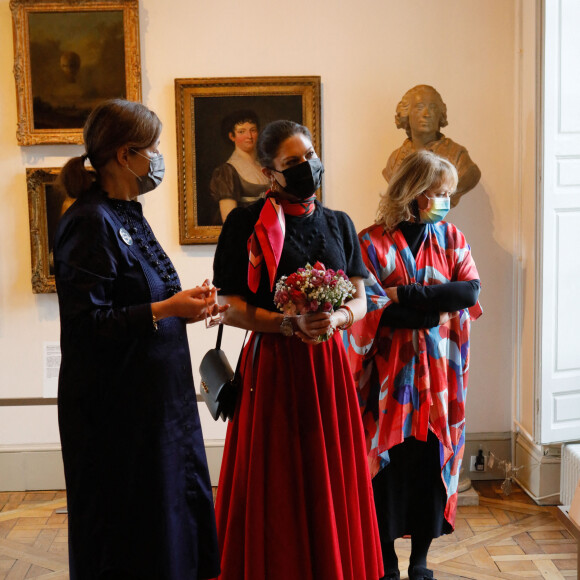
(69, 56)
(46, 203)
(202, 104)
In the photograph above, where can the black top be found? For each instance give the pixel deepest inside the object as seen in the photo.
(419, 306)
(325, 236)
(414, 234)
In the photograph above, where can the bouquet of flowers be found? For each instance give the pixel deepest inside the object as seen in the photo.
(313, 289)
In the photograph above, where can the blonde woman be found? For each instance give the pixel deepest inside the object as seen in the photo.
(410, 357)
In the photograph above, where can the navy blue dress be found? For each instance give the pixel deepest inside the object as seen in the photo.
(138, 489)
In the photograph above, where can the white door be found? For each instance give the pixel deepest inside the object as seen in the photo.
(558, 369)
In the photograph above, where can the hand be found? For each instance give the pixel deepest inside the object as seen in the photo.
(447, 316)
(190, 304)
(193, 304)
(392, 294)
(213, 309)
(339, 318)
(311, 326)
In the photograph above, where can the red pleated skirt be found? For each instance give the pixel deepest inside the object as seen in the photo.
(295, 499)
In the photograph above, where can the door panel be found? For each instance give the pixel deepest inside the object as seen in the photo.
(558, 391)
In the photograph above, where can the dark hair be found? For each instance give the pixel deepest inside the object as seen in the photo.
(273, 135)
(237, 118)
(111, 125)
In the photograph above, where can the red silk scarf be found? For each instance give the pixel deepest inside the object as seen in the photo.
(267, 240)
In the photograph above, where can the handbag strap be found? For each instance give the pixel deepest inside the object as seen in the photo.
(218, 344)
(241, 351)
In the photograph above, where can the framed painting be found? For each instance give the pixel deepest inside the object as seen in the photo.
(46, 203)
(218, 122)
(70, 56)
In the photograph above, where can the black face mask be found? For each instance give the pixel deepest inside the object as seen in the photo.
(304, 179)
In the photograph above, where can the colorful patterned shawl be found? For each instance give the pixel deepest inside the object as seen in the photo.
(410, 381)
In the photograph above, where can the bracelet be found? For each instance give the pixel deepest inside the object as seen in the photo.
(350, 320)
(154, 320)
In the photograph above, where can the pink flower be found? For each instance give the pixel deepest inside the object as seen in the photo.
(312, 289)
(282, 297)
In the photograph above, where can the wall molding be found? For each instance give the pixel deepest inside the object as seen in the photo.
(31, 467)
(39, 467)
(42, 401)
(540, 475)
(27, 402)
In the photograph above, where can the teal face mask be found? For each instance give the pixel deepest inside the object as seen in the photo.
(436, 210)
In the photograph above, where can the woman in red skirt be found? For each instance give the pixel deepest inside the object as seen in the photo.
(294, 497)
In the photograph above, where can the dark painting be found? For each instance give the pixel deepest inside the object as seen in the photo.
(214, 148)
(77, 59)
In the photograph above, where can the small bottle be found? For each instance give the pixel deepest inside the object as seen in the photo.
(480, 461)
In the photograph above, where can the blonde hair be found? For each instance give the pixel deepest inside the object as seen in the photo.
(419, 172)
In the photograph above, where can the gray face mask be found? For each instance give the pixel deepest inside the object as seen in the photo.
(154, 176)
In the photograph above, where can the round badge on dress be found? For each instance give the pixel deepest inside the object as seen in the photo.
(126, 237)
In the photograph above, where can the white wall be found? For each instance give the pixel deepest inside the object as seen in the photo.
(526, 269)
(367, 54)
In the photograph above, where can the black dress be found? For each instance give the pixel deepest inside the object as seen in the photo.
(138, 488)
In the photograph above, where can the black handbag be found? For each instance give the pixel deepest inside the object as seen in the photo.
(219, 383)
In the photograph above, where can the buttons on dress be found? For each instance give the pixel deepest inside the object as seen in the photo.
(137, 229)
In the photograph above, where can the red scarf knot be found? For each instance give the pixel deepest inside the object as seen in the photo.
(267, 240)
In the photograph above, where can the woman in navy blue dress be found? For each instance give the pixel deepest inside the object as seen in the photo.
(139, 495)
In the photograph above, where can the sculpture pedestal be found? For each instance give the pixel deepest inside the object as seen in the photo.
(466, 494)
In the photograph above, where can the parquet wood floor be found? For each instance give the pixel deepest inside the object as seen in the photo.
(504, 537)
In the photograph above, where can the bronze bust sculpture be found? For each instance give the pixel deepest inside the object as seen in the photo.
(422, 113)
